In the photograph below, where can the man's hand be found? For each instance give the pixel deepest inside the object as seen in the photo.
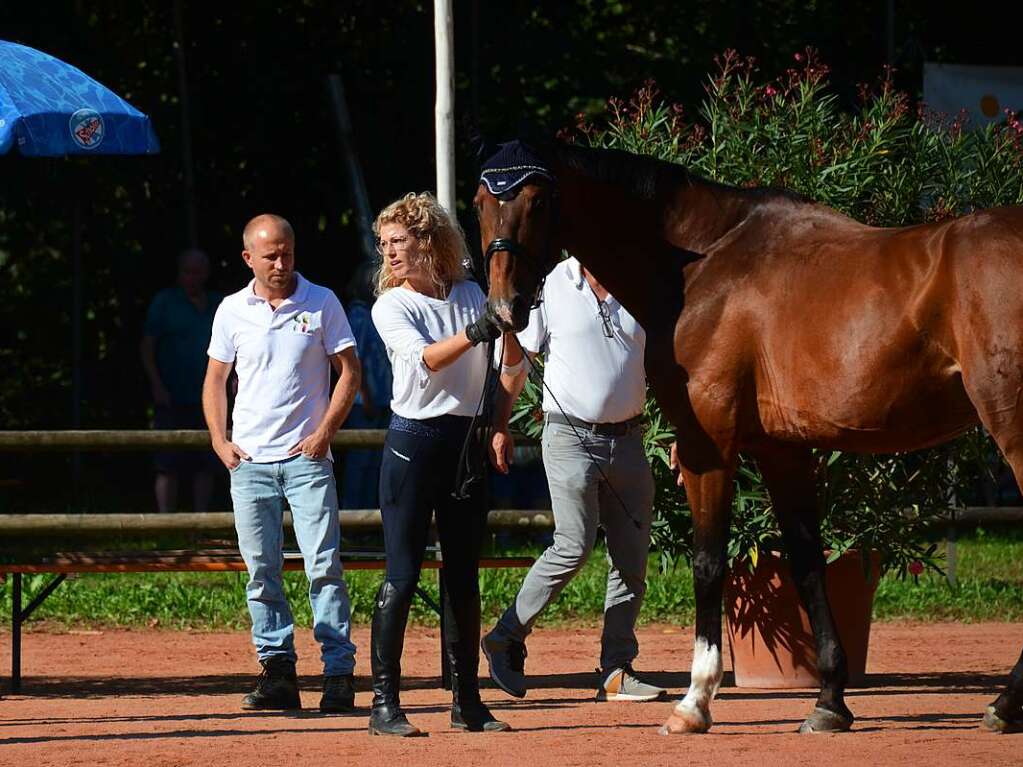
(229, 453)
(502, 446)
(675, 465)
(161, 396)
(313, 446)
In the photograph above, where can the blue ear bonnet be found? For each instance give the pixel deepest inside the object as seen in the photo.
(511, 166)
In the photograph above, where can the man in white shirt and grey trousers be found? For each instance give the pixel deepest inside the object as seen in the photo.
(595, 390)
(282, 334)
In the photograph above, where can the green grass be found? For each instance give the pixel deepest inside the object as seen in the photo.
(990, 588)
(990, 585)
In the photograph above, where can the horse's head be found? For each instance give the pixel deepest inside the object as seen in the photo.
(517, 207)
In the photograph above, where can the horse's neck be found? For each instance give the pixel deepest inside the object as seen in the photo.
(616, 239)
(637, 248)
(699, 214)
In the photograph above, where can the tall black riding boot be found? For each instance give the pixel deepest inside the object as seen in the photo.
(387, 640)
(462, 645)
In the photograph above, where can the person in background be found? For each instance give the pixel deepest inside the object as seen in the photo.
(433, 321)
(173, 351)
(282, 334)
(360, 481)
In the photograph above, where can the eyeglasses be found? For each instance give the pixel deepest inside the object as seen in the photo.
(605, 319)
(398, 243)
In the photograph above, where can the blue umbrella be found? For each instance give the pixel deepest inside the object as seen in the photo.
(49, 108)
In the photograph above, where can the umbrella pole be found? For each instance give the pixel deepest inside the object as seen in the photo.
(76, 342)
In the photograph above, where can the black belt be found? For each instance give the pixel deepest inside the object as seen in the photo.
(619, 429)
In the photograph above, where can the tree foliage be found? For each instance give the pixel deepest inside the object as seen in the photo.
(263, 137)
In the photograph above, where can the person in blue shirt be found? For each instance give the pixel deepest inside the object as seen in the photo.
(174, 342)
(372, 409)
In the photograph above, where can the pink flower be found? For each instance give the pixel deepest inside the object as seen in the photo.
(770, 92)
(798, 57)
(915, 567)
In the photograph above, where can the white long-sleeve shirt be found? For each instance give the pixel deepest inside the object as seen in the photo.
(408, 322)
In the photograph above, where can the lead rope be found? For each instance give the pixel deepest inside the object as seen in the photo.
(465, 474)
(536, 374)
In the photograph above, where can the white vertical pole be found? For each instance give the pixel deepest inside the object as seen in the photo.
(444, 110)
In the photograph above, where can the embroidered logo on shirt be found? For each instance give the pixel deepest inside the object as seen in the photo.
(302, 323)
(402, 457)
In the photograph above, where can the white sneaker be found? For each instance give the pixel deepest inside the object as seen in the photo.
(623, 684)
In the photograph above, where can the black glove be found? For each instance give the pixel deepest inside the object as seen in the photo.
(483, 329)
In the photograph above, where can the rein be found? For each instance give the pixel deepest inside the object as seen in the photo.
(593, 459)
(466, 473)
(514, 247)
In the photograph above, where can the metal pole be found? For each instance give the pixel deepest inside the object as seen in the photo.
(356, 182)
(951, 551)
(474, 66)
(76, 338)
(16, 632)
(444, 110)
(76, 317)
(445, 662)
(951, 544)
(191, 206)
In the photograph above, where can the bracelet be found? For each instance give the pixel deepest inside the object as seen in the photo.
(511, 370)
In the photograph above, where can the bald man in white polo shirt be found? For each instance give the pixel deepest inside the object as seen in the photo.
(282, 334)
(593, 405)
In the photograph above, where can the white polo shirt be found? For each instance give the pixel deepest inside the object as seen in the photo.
(595, 378)
(281, 357)
(408, 322)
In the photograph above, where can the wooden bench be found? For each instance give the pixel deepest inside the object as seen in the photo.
(212, 560)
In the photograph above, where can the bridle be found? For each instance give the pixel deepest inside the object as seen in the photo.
(518, 250)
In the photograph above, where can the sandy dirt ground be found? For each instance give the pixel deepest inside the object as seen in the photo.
(159, 698)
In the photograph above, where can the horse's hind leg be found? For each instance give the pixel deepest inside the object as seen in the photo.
(1005, 714)
(789, 475)
(997, 399)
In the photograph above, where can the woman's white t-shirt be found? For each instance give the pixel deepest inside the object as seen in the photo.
(408, 322)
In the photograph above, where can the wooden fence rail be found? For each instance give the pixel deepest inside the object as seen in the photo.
(146, 439)
(30, 525)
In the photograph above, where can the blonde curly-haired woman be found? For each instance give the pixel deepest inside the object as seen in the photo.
(432, 320)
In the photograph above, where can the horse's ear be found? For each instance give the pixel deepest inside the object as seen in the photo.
(481, 147)
(530, 133)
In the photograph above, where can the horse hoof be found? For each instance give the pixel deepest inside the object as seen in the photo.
(685, 720)
(823, 720)
(993, 721)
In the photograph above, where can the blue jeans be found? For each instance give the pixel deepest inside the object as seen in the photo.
(258, 491)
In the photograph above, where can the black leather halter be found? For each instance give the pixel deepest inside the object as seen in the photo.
(518, 250)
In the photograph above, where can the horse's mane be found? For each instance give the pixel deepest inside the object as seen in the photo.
(645, 177)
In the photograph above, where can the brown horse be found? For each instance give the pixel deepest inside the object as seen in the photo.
(776, 325)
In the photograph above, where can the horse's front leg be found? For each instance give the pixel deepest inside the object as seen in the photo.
(710, 497)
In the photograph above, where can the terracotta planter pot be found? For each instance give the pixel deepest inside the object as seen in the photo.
(769, 631)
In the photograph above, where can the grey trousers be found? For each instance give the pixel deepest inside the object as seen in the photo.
(581, 500)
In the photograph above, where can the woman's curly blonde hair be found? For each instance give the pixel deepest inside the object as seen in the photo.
(441, 241)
